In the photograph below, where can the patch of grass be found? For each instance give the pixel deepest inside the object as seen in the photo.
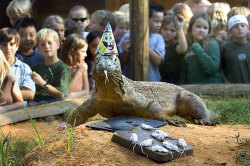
(70, 140)
(12, 150)
(230, 110)
(37, 136)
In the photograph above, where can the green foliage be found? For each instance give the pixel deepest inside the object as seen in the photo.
(230, 110)
(37, 137)
(242, 157)
(13, 149)
(70, 140)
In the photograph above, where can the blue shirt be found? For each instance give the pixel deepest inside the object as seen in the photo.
(22, 73)
(157, 44)
(32, 59)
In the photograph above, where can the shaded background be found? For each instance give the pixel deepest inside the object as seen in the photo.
(43, 8)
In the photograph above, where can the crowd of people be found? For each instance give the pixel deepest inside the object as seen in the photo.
(194, 42)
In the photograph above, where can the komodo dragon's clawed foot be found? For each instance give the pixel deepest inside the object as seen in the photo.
(204, 122)
(177, 123)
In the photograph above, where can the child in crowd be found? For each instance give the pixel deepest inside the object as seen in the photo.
(202, 60)
(122, 25)
(124, 8)
(99, 20)
(10, 95)
(9, 43)
(217, 12)
(235, 54)
(18, 9)
(72, 27)
(172, 30)
(56, 23)
(184, 11)
(93, 40)
(73, 54)
(27, 51)
(52, 76)
(80, 15)
(156, 44)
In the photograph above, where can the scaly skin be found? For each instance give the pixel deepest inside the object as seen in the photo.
(115, 94)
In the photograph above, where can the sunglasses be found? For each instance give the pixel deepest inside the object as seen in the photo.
(80, 19)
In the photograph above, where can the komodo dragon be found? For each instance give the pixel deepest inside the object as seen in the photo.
(114, 94)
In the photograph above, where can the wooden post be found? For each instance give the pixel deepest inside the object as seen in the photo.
(139, 34)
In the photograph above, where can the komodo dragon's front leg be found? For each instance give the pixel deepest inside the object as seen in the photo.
(81, 113)
(149, 108)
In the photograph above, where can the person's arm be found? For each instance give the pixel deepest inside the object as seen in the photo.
(182, 46)
(223, 76)
(124, 55)
(156, 49)
(154, 57)
(222, 61)
(210, 60)
(17, 98)
(28, 87)
(27, 93)
(82, 71)
(51, 90)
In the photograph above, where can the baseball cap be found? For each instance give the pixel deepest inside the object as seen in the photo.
(237, 19)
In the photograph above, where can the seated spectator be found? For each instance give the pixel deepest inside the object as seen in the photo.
(235, 54)
(73, 54)
(122, 25)
(9, 43)
(80, 15)
(18, 9)
(52, 76)
(99, 19)
(10, 94)
(27, 53)
(202, 59)
(93, 40)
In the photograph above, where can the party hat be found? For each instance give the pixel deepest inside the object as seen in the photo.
(107, 44)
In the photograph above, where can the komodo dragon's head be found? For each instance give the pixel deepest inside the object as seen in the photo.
(107, 68)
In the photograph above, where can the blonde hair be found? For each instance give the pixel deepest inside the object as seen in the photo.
(73, 42)
(239, 10)
(204, 42)
(4, 68)
(44, 33)
(183, 10)
(104, 17)
(217, 12)
(18, 8)
(124, 8)
(121, 18)
(7, 34)
(51, 20)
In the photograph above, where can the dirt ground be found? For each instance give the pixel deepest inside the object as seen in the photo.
(211, 145)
